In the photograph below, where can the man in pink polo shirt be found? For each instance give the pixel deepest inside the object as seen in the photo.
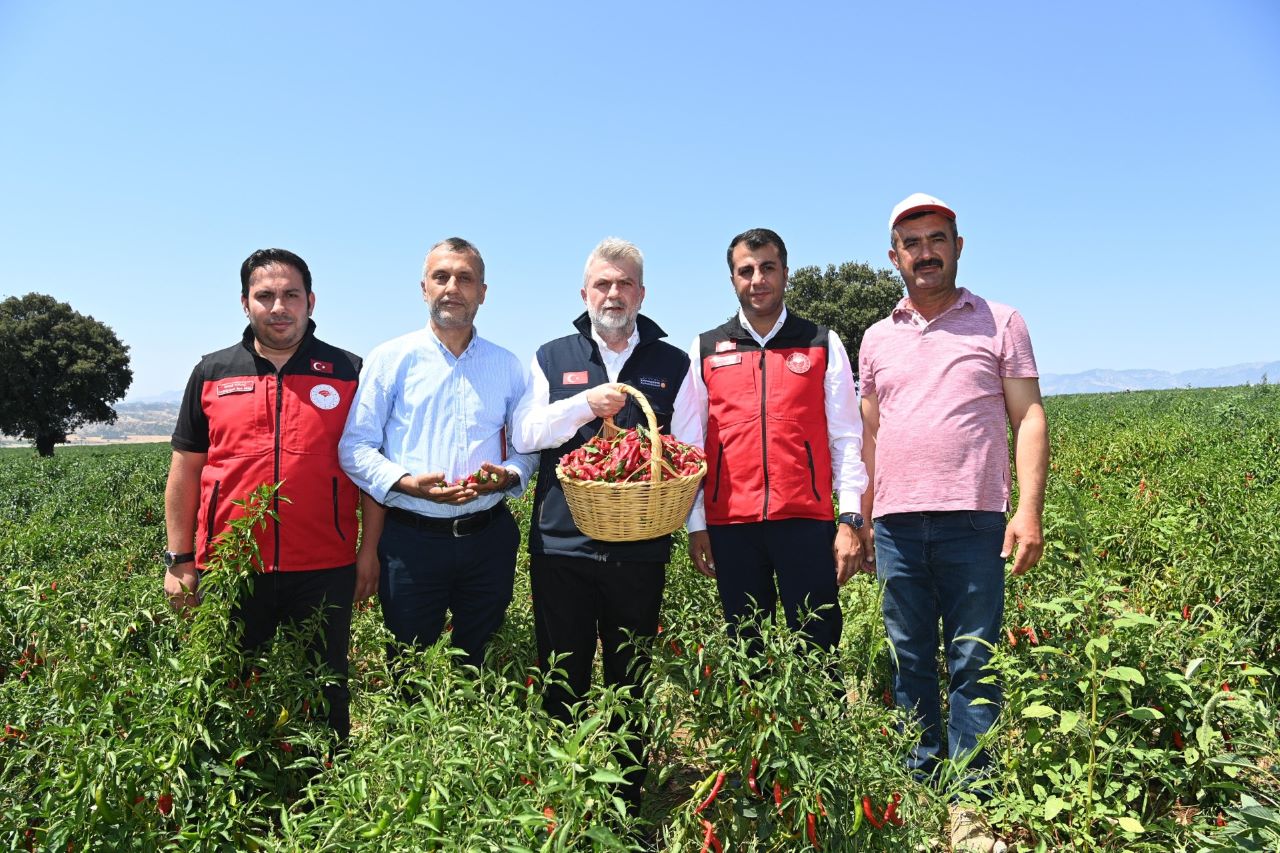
(939, 376)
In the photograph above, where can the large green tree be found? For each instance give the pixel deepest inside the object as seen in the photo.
(847, 299)
(58, 369)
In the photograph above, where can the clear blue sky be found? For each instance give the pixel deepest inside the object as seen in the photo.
(1112, 164)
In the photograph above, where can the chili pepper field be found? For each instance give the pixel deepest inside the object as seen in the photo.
(1139, 671)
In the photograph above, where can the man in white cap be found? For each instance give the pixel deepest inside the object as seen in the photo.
(940, 376)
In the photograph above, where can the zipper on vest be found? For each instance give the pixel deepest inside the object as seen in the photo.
(337, 521)
(209, 513)
(275, 500)
(764, 437)
(813, 475)
(715, 494)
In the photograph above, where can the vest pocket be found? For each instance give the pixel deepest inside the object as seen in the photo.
(337, 518)
(715, 493)
(813, 475)
(210, 513)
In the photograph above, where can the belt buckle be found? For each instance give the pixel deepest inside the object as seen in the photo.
(456, 534)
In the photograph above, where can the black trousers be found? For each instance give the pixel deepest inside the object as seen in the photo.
(796, 553)
(577, 601)
(288, 598)
(428, 573)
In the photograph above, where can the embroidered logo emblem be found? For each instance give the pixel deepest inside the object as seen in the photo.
(321, 366)
(234, 386)
(325, 396)
(725, 346)
(652, 382)
(725, 360)
(798, 362)
(577, 377)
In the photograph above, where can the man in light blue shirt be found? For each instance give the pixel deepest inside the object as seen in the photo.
(433, 409)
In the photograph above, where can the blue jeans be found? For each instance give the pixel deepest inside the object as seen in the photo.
(943, 566)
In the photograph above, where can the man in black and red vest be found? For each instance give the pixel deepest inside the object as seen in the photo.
(783, 431)
(270, 409)
(583, 588)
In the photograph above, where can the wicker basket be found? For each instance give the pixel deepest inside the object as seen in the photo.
(628, 512)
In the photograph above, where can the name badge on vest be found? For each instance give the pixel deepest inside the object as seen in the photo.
(726, 346)
(576, 377)
(652, 382)
(235, 386)
(725, 360)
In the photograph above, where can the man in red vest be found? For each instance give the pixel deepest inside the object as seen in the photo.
(782, 432)
(270, 409)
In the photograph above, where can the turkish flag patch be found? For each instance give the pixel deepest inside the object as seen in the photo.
(576, 377)
(318, 366)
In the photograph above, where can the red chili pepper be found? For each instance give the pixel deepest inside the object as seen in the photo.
(1177, 739)
(870, 813)
(164, 804)
(1222, 819)
(752, 782)
(550, 814)
(797, 726)
(1031, 636)
(811, 824)
(1013, 638)
(1186, 613)
(709, 839)
(822, 810)
(891, 810)
(715, 789)
(777, 795)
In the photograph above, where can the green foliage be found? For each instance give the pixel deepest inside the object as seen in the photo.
(847, 299)
(1141, 710)
(58, 370)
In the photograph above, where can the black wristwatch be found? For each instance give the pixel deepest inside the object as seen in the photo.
(853, 519)
(173, 558)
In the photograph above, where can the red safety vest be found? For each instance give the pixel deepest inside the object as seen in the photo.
(767, 448)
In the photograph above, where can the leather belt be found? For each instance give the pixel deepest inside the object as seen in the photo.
(462, 525)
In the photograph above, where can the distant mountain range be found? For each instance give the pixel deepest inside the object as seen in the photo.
(1102, 381)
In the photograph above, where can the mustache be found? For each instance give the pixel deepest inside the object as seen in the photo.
(932, 262)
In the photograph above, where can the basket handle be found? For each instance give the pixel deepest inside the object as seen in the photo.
(655, 440)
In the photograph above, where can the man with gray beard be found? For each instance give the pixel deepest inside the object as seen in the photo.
(433, 410)
(584, 589)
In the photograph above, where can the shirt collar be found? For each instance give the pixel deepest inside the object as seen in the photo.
(750, 330)
(431, 335)
(963, 298)
(604, 347)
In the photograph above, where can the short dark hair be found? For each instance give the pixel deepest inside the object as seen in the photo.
(755, 238)
(458, 246)
(267, 257)
(893, 232)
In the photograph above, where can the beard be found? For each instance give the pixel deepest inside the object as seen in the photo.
(616, 323)
(452, 316)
